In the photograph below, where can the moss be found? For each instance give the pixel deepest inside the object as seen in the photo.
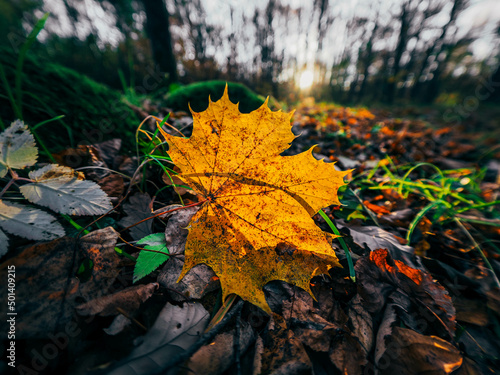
(196, 95)
(93, 112)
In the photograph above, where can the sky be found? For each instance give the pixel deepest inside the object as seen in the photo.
(484, 14)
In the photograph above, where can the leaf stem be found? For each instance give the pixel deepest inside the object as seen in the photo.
(4, 190)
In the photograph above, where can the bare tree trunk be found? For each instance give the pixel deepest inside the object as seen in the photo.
(158, 30)
(367, 60)
(400, 48)
(458, 6)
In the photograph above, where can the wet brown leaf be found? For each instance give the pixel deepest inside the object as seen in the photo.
(411, 353)
(47, 287)
(128, 300)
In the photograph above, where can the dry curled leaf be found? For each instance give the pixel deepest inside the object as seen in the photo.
(256, 224)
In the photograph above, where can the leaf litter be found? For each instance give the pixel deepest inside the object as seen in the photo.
(430, 307)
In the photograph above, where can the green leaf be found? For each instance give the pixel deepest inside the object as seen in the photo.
(17, 148)
(148, 261)
(4, 243)
(29, 222)
(57, 187)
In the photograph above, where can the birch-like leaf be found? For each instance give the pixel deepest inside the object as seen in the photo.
(29, 222)
(4, 243)
(17, 148)
(148, 261)
(59, 189)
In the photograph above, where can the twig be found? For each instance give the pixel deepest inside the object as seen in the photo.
(163, 213)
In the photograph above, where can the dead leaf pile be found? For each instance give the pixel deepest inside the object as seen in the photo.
(429, 308)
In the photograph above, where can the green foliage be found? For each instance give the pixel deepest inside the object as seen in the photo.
(92, 112)
(56, 187)
(148, 261)
(196, 95)
(450, 195)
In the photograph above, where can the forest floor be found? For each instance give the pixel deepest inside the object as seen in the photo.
(420, 218)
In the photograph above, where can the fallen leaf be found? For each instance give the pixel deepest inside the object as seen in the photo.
(136, 209)
(112, 185)
(49, 289)
(108, 150)
(219, 355)
(473, 311)
(118, 325)
(346, 354)
(58, 188)
(409, 352)
(128, 300)
(379, 210)
(176, 182)
(398, 218)
(29, 222)
(257, 201)
(4, 243)
(17, 148)
(383, 281)
(174, 331)
(284, 353)
(201, 279)
(362, 324)
(377, 238)
(73, 157)
(148, 261)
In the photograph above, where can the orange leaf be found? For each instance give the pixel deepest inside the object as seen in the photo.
(256, 225)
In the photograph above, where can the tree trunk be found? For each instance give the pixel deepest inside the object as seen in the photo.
(158, 30)
(367, 60)
(458, 6)
(400, 48)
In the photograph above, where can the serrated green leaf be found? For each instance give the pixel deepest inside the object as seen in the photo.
(57, 188)
(148, 261)
(29, 222)
(17, 148)
(4, 243)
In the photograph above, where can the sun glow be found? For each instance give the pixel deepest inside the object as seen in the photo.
(306, 79)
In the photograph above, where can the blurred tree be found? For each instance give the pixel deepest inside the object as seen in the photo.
(407, 13)
(495, 77)
(12, 14)
(269, 59)
(203, 40)
(438, 52)
(158, 30)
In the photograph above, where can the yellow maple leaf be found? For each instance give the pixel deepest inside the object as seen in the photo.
(256, 224)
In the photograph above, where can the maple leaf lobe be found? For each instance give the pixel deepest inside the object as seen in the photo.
(256, 225)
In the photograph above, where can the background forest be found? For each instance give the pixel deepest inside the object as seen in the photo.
(435, 51)
(103, 167)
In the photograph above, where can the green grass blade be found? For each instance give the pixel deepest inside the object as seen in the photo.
(481, 252)
(33, 128)
(15, 108)
(335, 231)
(22, 55)
(419, 217)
